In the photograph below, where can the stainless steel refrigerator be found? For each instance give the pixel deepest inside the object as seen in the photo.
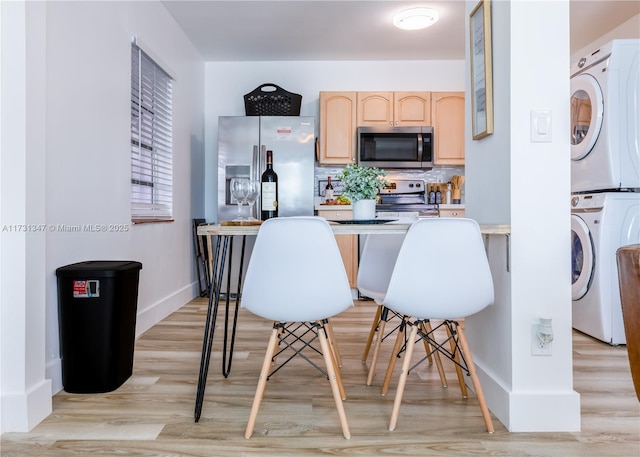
(242, 145)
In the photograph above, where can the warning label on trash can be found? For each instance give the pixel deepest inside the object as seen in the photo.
(83, 288)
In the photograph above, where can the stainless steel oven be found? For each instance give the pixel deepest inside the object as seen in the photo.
(405, 198)
(396, 147)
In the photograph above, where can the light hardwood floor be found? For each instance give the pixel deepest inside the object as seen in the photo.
(152, 413)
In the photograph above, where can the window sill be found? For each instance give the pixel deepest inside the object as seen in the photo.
(150, 221)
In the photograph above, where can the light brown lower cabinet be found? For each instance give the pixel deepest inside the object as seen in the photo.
(451, 213)
(348, 244)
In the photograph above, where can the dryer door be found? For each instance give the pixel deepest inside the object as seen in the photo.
(582, 258)
(586, 114)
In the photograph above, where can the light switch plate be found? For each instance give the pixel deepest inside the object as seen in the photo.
(541, 126)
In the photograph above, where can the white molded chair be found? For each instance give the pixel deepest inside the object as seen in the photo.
(296, 278)
(461, 286)
(377, 261)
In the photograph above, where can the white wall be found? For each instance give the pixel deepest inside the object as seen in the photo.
(25, 393)
(76, 142)
(227, 82)
(528, 187)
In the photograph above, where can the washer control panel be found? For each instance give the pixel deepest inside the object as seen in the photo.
(587, 201)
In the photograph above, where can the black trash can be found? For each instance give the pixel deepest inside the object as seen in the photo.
(97, 307)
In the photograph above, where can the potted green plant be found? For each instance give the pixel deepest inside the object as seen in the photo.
(361, 186)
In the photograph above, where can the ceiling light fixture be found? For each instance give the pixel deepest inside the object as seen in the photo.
(415, 18)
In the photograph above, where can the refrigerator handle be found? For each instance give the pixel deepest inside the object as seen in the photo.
(263, 160)
(255, 164)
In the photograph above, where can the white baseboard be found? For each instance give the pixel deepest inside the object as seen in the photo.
(534, 411)
(23, 411)
(159, 310)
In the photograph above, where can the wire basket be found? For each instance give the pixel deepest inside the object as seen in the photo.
(272, 102)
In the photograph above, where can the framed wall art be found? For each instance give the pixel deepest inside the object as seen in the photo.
(481, 70)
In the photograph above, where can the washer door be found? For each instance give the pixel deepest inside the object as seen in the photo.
(586, 114)
(582, 258)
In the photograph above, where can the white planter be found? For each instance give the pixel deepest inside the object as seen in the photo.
(364, 209)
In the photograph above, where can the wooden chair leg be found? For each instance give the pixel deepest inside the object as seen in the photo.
(335, 389)
(372, 333)
(376, 352)
(334, 346)
(274, 358)
(392, 360)
(427, 329)
(332, 343)
(459, 372)
(462, 338)
(262, 383)
(406, 364)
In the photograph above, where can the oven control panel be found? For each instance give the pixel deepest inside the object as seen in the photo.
(404, 186)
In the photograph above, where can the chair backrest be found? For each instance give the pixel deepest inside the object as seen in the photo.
(442, 271)
(377, 260)
(296, 273)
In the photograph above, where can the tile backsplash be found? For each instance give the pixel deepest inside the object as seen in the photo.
(443, 174)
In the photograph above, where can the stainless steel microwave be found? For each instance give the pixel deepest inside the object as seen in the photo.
(396, 147)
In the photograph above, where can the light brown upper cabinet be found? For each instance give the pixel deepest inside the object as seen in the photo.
(447, 112)
(394, 109)
(337, 128)
(342, 112)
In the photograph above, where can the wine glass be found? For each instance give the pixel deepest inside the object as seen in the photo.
(239, 190)
(253, 190)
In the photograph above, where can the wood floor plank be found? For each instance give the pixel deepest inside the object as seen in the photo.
(152, 413)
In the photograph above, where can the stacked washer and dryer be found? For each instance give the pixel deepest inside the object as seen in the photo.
(605, 182)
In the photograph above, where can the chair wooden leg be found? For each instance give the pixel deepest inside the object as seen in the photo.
(427, 345)
(462, 338)
(332, 343)
(328, 360)
(334, 346)
(427, 329)
(372, 333)
(262, 383)
(459, 372)
(274, 358)
(392, 360)
(376, 352)
(406, 364)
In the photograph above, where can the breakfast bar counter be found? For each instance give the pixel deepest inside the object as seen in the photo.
(220, 255)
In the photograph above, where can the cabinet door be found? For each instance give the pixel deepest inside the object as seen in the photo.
(447, 114)
(347, 244)
(412, 108)
(337, 128)
(375, 109)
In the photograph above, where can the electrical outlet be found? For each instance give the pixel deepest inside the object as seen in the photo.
(537, 347)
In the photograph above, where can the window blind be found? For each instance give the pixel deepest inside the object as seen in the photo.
(151, 139)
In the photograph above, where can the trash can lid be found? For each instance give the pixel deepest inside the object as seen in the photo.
(99, 268)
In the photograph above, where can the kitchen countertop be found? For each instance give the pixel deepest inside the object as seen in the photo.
(397, 227)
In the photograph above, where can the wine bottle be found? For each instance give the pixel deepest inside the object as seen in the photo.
(328, 190)
(269, 190)
(438, 194)
(432, 194)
